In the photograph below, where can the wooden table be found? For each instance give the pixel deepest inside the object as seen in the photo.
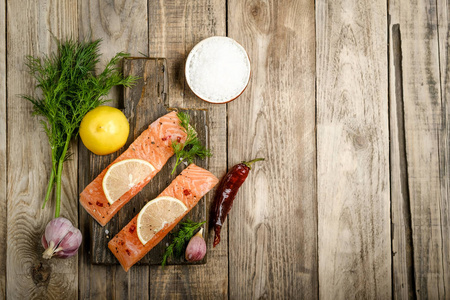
(348, 103)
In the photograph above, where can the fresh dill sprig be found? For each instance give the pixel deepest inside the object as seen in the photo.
(70, 89)
(180, 240)
(192, 147)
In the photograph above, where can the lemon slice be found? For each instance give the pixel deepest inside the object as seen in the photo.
(123, 176)
(156, 214)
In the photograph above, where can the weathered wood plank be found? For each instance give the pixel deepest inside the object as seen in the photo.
(273, 223)
(443, 10)
(3, 141)
(402, 256)
(91, 287)
(353, 150)
(175, 27)
(30, 26)
(426, 137)
(123, 26)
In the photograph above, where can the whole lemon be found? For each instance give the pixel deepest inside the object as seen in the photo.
(104, 130)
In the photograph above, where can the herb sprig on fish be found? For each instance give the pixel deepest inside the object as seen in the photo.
(70, 89)
(192, 147)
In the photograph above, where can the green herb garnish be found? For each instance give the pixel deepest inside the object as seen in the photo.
(192, 147)
(70, 89)
(180, 240)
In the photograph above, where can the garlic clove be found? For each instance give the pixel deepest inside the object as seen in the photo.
(65, 254)
(61, 239)
(44, 242)
(70, 243)
(72, 240)
(196, 248)
(56, 229)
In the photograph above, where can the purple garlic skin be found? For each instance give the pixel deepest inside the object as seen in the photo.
(196, 249)
(61, 239)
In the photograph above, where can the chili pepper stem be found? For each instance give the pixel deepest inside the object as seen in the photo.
(249, 163)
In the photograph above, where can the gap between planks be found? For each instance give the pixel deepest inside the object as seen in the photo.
(402, 273)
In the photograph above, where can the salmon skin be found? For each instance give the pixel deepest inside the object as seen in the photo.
(191, 185)
(153, 145)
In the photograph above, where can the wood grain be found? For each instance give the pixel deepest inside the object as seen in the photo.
(91, 278)
(3, 141)
(174, 28)
(283, 237)
(353, 150)
(443, 18)
(28, 155)
(122, 26)
(426, 136)
(273, 223)
(402, 247)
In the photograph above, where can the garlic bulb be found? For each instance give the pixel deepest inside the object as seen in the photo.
(196, 249)
(60, 239)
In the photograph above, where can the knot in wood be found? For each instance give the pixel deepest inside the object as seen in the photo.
(258, 10)
(359, 142)
(255, 10)
(41, 273)
(259, 15)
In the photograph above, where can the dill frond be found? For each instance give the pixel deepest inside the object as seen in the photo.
(192, 147)
(70, 89)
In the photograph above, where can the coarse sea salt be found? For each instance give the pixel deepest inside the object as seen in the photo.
(218, 69)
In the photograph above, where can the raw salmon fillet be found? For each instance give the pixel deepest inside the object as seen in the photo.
(191, 185)
(153, 145)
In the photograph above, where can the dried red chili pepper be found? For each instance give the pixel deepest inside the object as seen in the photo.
(226, 193)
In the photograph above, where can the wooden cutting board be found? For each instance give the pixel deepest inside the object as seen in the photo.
(142, 104)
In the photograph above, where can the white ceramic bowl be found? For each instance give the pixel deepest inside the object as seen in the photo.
(217, 69)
